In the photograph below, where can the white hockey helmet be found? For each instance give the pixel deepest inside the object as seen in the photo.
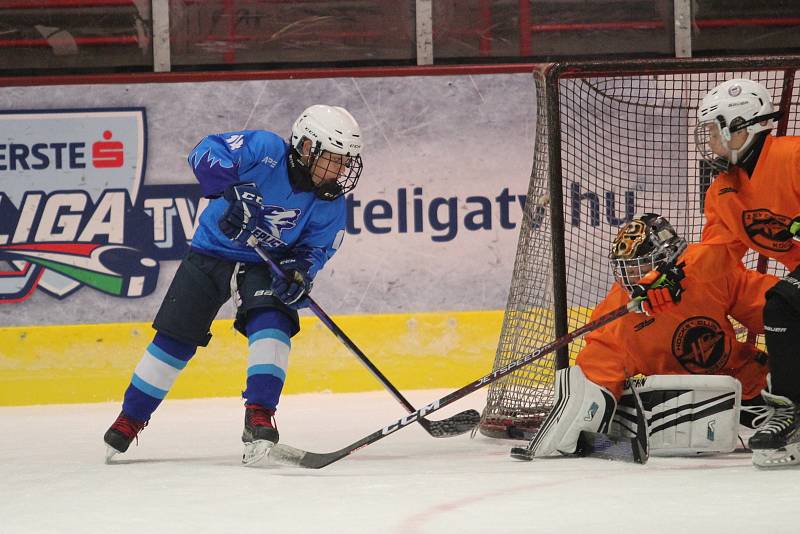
(332, 129)
(648, 242)
(734, 105)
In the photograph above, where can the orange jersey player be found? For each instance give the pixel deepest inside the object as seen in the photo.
(754, 203)
(688, 334)
(695, 336)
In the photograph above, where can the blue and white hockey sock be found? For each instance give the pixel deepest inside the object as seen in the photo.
(268, 333)
(153, 377)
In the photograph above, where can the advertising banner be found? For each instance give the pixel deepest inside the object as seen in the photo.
(98, 203)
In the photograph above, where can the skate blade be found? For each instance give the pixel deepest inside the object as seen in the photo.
(110, 453)
(777, 458)
(255, 451)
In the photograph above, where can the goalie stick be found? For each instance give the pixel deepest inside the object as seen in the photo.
(635, 449)
(289, 455)
(452, 426)
(598, 445)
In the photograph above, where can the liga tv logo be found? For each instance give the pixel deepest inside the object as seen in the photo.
(67, 179)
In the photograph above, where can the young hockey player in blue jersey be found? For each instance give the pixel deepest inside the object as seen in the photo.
(291, 195)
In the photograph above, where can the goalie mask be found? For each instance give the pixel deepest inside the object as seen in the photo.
(646, 243)
(326, 152)
(733, 106)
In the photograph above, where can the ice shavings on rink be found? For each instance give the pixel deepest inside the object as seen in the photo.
(185, 477)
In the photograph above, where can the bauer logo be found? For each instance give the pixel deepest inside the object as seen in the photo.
(69, 180)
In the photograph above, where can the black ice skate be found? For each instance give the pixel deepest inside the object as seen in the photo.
(121, 434)
(260, 433)
(777, 442)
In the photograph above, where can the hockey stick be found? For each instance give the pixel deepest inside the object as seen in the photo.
(452, 426)
(635, 449)
(286, 454)
(599, 445)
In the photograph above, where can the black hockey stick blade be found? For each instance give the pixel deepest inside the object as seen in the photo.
(522, 453)
(635, 449)
(446, 428)
(597, 445)
(456, 425)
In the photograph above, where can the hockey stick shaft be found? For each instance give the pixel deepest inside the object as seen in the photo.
(286, 454)
(463, 418)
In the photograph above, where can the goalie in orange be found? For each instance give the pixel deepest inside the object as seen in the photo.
(682, 332)
(754, 203)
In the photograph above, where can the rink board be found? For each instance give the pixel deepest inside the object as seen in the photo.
(93, 363)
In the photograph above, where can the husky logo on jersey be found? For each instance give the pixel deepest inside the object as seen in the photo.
(591, 412)
(767, 229)
(700, 345)
(69, 180)
(277, 219)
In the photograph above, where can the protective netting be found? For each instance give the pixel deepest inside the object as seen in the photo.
(626, 147)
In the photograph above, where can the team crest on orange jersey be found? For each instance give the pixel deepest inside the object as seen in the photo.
(700, 346)
(767, 229)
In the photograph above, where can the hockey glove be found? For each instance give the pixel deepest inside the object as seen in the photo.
(295, 286)
(243, 213)
(658, 291)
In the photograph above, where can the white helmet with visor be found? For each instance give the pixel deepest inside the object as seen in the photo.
(732, 106)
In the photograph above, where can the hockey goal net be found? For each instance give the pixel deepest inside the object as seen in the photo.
(612, 139)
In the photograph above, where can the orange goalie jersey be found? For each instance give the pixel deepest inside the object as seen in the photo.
(694, 337)
(754, 212)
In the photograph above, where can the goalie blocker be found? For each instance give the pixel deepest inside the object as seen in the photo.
(686, 414)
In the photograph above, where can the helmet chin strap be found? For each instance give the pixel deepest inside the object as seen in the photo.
(737, 155)
(733, 158)
(299, 174)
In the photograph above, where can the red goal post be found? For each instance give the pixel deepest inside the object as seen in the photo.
(613, 138)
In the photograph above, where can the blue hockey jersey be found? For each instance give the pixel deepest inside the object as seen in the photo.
(301, 225)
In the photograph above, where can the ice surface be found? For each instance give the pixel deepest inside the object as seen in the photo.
(185, 477)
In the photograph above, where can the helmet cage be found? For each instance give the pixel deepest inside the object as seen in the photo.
(629, 272)
(645, 244)
(326, 143)
(321, 161)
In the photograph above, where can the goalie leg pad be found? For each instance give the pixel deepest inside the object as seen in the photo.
(579, 405)
(686, 414)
